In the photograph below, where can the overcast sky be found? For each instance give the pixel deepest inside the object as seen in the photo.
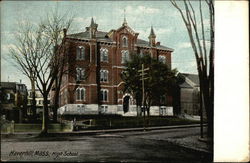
(165, 19)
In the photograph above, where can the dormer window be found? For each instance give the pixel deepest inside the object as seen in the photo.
(124, 41)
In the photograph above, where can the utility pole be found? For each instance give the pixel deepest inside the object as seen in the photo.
(142, 71)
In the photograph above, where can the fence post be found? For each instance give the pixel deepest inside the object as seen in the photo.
(71, 125)
(12, 129)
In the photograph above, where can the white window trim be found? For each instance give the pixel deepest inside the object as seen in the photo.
(103, 72)
(124, 37)
(84, 97)
(105, 90)
(105, 108)
(82, 70)
(104, 51)
(80, 56)
(125, 56)
(161, 59)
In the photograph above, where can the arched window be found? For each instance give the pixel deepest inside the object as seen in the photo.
(104, 95)
(80, 94)
(80, 74)
(104, 54)
(125, 56)
(80, 53)
(162, 58)
(124, 41)
(104, 75)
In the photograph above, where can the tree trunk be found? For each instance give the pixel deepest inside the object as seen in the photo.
(45, 123)
(56, 100)
(58, 82)
(208, 105)
(33, 103)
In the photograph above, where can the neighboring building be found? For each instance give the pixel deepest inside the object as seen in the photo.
(189, 95)
(95, 60)
(13, 101)
(39, 103)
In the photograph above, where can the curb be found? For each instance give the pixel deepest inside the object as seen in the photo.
(93, 132)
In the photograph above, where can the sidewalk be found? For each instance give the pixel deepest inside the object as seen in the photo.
(191, 142)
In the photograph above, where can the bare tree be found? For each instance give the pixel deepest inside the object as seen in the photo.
(55, 27)
(38, 54)
(204, 54)
(21, 54)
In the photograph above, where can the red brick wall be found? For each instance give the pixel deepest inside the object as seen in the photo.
(114, 67)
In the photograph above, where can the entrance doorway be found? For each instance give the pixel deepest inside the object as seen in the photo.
(126, 101)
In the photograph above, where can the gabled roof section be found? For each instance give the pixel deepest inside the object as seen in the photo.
(130, 30)
(191, 80)
(100, 36)
(107, 36)
(145, 44)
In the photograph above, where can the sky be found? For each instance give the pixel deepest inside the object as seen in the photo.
(140, 15)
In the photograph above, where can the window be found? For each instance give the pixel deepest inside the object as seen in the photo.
(80, 74)
(8, 96)
(104, 54)
(162, 59)
(104, 95)
(80, 94)
(163, 111)
(124, 41)
(39, 102)
(65, 96)
(80, 108)
(141, 53)
(80, 53)
(104, 75)
(104, 108)
(125, 56)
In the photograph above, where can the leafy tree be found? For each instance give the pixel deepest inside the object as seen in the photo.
(158, 83)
